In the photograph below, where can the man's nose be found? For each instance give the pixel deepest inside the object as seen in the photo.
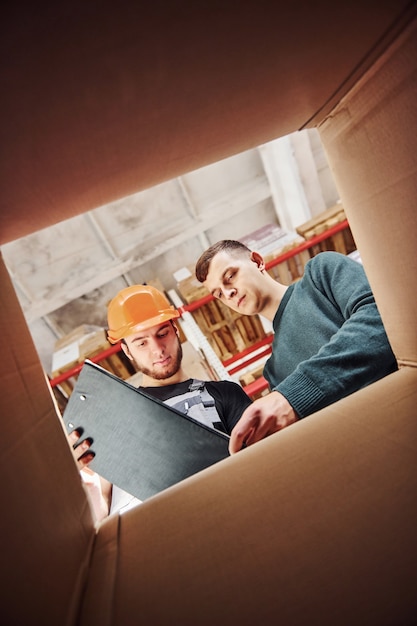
(157, 345)
(229, 293)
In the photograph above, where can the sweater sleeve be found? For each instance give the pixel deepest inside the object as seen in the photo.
(356, 355)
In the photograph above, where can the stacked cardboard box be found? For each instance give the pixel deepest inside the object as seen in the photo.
(85, 342)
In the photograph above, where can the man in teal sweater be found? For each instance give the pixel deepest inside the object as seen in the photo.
(329, 337)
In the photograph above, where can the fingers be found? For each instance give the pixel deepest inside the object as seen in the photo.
(74, 436)
(245, 430)
(264, 429)
(80, 449)
(250, 431)
(84, 455)
(265, 416)
(238, 438)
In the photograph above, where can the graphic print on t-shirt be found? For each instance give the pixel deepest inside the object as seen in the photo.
(198, 404)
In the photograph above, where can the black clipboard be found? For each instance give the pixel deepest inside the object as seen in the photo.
(141, 445)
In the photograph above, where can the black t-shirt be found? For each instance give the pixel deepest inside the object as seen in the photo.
(229, 399)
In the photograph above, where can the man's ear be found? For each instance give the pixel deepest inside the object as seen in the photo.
(126, 351)
(258, 259)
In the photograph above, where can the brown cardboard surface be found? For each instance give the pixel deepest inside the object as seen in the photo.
(45, 523)
(114, 98)
(314, 525)
(371, 147)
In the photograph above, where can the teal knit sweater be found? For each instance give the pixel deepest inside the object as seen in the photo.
(329, 338)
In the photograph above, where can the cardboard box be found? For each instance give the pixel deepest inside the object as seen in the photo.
(271, 240)
(227, 332)
(78, 334)
(316, 524)
(191, 289)
(86, 342)
(76, 346)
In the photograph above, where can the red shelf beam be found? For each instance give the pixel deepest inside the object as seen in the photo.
(306, 245)
(76, 369)
(258, 385)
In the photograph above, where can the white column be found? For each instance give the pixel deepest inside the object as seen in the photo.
(283, 175)
(307, 167)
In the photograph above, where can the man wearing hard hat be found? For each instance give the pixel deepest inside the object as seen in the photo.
(142, 318)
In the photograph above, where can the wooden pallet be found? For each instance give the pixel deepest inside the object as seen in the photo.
(290, 270)
(250, 377)
(342, 241)
(228, 332)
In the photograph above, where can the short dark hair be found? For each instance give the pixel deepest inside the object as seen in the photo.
(235, 248)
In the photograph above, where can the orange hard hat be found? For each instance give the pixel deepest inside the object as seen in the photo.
(137, 308)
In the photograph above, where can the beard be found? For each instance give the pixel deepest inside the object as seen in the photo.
(165, 373)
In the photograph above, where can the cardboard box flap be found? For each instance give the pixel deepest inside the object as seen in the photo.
(220, 80)
(370, 144)
(46, 522)
(318, 520)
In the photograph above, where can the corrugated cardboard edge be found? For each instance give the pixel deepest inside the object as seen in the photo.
(376, 52)
(97, 606)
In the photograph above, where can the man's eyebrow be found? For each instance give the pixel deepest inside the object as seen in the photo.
(229, 268)
(139, 338)
(167, 325)
(146, 334)
(221, 279)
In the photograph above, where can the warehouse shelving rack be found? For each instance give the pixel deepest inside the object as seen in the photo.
(253, 353)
